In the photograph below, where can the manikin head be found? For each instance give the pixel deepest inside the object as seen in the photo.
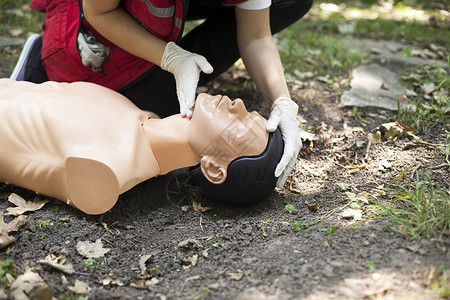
(238, 156)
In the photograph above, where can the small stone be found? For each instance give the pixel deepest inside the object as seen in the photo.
(411, 93)
(343, 186)
(366, 243)
(248, 229)
(351, 213)
(328, 271)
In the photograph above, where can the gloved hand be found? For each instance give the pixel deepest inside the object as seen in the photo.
(284, 115)
(186, 67)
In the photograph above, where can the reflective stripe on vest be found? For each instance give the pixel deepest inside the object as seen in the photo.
(163, 12)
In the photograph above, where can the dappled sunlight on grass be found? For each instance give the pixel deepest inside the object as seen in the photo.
(385, 11)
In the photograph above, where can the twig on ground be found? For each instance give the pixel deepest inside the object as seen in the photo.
(367, 150)
(441, 166)
(100, 220)
(107, 241)
(414, 172)
(342, 166)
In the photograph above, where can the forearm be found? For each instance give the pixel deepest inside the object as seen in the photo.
(263, 63)
(121, 29)
(259, 53)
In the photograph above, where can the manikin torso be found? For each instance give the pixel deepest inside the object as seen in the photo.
(33, 124)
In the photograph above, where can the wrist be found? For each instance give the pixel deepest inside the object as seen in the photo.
(167, 59)
(285, 102)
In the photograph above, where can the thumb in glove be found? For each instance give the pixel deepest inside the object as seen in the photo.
(186, 67)
(284, 115)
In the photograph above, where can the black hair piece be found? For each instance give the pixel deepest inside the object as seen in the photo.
(250, 179)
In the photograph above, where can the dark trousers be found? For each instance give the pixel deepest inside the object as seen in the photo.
(215, 39)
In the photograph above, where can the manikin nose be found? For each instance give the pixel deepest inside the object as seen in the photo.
(237, 105)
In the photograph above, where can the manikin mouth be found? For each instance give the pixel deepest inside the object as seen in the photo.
(219, 100)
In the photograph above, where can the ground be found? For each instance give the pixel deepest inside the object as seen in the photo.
(297, 244)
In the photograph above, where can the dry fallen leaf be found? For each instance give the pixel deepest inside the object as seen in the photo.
(139, 284)
(190, 243)
(199, 208)
(80, 287)
(6, 228)
(142, 262)
(190, 262)
(391, 131)
(235, 275)
(355, 167)
(376, 293)
(91, 250)
(313, 206)
(30, 286)
(22, 205)
(112, 278)
(406, 127)
(149, 275)
(52, 261)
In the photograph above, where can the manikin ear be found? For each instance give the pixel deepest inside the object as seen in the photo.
(212, 171)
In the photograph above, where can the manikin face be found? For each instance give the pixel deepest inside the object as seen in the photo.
(222, 130)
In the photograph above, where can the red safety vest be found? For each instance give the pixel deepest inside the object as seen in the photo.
(60, 57)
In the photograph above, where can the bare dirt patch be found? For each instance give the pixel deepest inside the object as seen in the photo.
(261, 252)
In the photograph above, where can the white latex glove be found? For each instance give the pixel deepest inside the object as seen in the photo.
(186, 67)
(284, 115)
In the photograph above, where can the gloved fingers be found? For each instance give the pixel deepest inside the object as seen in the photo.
(282, 180)
(285, 159)
(180, 95)
(203, 64)
(283, 177)
(183, 111)
(289, 154)
(280, 166)
(189, 108)
(186, 88)
(274, 121)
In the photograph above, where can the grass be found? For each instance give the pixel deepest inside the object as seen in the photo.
(316, 39)
(44, 223)
(17, 14)
(7, 266)
(439, 281)
(412, 32)
(321, 53)
(420, 211)
(428, 111)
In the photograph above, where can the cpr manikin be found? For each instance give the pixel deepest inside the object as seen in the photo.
(85, 144)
